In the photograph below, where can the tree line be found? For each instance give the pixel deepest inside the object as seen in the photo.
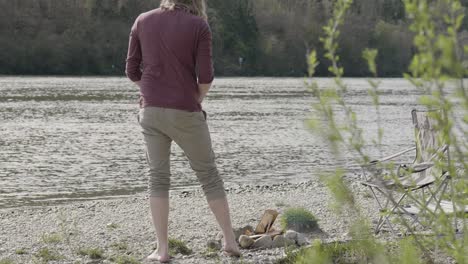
(250, 37)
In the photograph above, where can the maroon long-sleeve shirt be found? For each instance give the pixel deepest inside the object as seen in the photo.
(170, 52)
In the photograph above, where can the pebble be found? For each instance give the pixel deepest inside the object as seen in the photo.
(301, 240)
(190, 221)
(291, 235)
(281, 241)
(245, 241)
(263, 242)
(213, 244)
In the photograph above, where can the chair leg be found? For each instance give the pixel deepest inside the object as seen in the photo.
(438, 206)
(424, 206)
(455, 222)
(386, 219)
(377, 229)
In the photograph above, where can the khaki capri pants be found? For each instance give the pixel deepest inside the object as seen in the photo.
(189, 130)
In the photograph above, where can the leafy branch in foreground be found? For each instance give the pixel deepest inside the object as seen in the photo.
(437, 70)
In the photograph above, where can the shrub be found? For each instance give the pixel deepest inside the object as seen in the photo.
(93, 253)
(120, 245)
(124, 259)
(6, 261)
(365, 251)
(298, 219)
(20, 251)
(52, 238)
(48, 255)
(178, 246)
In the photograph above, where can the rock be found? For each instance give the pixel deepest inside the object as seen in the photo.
(242, 231)
(263, 242)
(245, 241)
(291, 235)
(281, 241)
(213, 244)
(301, 240)
(278, 241)
(289, 242)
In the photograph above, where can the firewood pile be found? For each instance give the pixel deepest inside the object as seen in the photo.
(266, 236)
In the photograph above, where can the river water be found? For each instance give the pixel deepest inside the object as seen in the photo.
(74, 138)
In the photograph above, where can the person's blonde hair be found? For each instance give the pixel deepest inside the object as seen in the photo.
(196, 7)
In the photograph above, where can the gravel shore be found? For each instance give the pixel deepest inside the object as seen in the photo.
(123, 226)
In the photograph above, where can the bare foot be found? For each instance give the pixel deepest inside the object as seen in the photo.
(163, 258)
(231, 251)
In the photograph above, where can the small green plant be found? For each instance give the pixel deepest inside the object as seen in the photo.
(367, 194)
(112, 226)
(68, 226)
(291, 254)
(21, 251)
(52, 238)
(366, 251)
(93, 253)
(178, 246)
(48, 255)
(280, 204)
(211, 253)
(120, 245)
(298, 219)
(124, 259)
(6, 261)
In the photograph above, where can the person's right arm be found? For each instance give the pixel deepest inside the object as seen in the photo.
(204, 61)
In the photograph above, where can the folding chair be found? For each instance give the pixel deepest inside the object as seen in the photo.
(417, 178)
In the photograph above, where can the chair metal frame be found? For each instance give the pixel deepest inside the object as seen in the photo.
(420, 175)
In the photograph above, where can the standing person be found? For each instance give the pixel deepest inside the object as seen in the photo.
(170, 59)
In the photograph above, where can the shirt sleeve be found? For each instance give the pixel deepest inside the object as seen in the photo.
(204, 55)
(133, 61)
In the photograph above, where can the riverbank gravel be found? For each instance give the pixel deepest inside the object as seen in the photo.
(122, 227)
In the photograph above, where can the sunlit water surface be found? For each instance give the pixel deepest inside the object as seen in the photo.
(78, 138)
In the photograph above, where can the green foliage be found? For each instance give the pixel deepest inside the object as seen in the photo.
(235, 36)
(93, 253)
(409, 253)
(120, 245)
(298, 219)
(21, 251)
(437, 69)
(52, 238)
(177, 246)
(273, 36)
(211, 253)
(6, 261)
(291, 255)
(331, 253)
(112, 226)
(394, 42)
(355, 252)
(47, 255)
